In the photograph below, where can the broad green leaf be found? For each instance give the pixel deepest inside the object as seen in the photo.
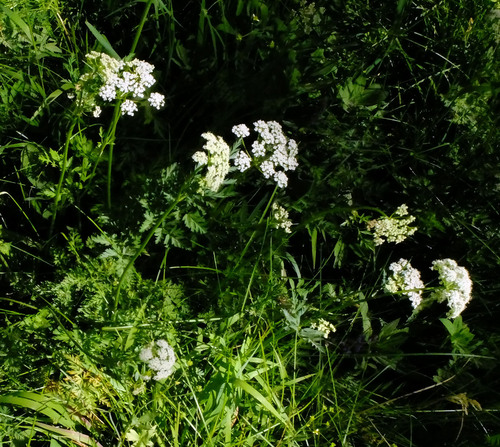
(12, 15)
(42, 404)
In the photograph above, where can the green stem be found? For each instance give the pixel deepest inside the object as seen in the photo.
(167, 212)
(110, 140)
(61, 177)
(252, 237)
(141, 26)
(108, 188)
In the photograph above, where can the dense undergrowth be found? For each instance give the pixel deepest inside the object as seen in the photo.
(305, 283)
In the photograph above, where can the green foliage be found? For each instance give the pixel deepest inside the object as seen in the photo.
(107, 243)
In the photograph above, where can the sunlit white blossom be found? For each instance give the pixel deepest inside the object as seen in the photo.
(324, 326)
(160, 357)
(128, 107)
(280, 218)
(112, 79)
(405, 279)
(218, 153)
(392, 229)
(258, 149)
(242, 161)
(272, 152)
(241, 131)
(267, 168)
(200, 157)
(97, 112)
(281, 179)
(456, 286)
(157, 100)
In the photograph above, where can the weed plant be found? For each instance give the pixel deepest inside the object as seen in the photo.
(249, 223)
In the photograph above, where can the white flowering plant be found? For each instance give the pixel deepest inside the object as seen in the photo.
(228, 294)
(113, 81)
(272, 152)
(395, 228)
(406, 280)
(455, 285)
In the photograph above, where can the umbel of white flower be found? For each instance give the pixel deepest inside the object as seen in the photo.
(216, 157)
(160, 358)
(112, 79)
(405, 279)
(324, 326)
(280, 218)
(456, 286)
(394, 228)
(272, 152)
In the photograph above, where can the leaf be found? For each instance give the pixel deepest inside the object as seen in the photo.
(18, 21)
(367, 325)
(314, 241)
(245, 386)
(52, 97)
(77, 437)
(101, 38)
(194, 222)
(42, 404)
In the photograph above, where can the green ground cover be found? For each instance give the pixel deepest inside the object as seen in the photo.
(249, 223)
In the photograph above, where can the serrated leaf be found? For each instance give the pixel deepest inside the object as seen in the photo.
(194, 222)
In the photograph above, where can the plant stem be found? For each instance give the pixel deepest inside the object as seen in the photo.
(141, 26)
(108, 186)
(61, 177)
(110, 139)
(167, 212)
(254, 233)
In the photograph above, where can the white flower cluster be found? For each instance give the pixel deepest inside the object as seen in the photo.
(457, 286)
(241, 131)
(273, 152)
(280, 217)
(393, 229)
(126, 81)
(324, 326)
(405, 279)
(160, 357)
(216, 158)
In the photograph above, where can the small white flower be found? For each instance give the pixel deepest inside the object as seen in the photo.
(241, 131)
(107, 92)
(457, 285)
(280, 217)
(218, 153)
(324, 326)
(405, 279)
(146, 354)
(242, 161)
(157, 100)
(118, 79)
(281, 179)
(267, 168)
(200, 157)
(160, 357)
(97, 112)
(258, 149)
(392, 229)
(128, 107)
